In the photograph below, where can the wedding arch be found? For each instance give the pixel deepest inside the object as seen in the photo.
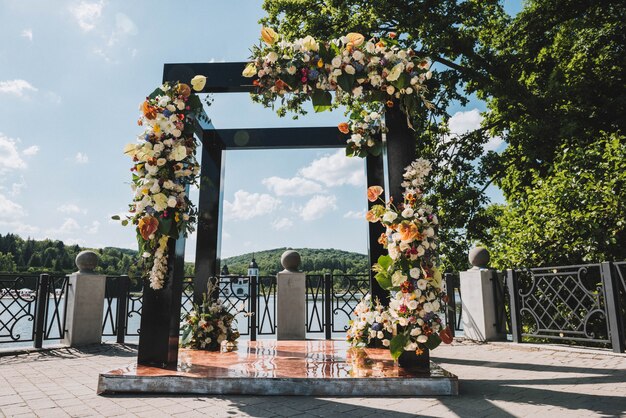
(387, 152)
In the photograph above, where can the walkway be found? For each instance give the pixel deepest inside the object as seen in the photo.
(500, 379)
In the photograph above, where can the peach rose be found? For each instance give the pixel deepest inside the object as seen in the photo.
(370, 216)
(269, 36)
(148, 226)
(343, 127)
(355, 39)
(408, 231)
(374, 192)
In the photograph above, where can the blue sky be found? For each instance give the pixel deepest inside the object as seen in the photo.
(72, 75)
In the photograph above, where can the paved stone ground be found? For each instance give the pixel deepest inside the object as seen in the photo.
(500, 379)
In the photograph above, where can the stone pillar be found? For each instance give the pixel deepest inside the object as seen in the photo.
(477, 298)
(85, 302)
(290, 299)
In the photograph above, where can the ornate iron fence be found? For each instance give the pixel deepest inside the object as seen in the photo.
(576, 303)
(32, 308)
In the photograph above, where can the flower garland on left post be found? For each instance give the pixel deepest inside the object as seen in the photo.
(164, 166)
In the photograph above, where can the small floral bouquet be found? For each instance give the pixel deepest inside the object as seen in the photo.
(409, 271)
(208, 325)
(372, 325)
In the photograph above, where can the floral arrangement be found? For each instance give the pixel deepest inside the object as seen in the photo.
(409, 272)
(164, 165)
(209, 325)
(365, 75)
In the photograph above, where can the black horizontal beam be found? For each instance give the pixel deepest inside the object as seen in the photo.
(222, 77)
(263, 138)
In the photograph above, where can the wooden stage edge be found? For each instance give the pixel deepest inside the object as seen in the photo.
(270, 367)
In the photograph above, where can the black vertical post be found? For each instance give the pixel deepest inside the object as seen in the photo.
(122, 307)
(400, 149)
(209, 222)
(252, 281)
(451, 310)
(516, 320)
(160, 313)
(328, 300)
(41, 305)
(613, 308)
(375, 177)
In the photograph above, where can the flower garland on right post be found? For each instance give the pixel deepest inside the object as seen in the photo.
(409, 272)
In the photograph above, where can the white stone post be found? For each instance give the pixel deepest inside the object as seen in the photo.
(85, 302)
(290, 299)
(477, 298)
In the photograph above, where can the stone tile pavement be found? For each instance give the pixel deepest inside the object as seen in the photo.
(496, 379)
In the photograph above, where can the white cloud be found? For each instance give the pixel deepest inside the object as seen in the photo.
(336, 170)
(282, 223)
(70, 208)
(124, 26)
(317, 206)
(32, 150)
(28, 34)
(16, 87)
(353, 214)
(18, 227)
(9, 210)
(463, 122)
(249, 205)
(87, 14)
(69, 226)
(9, 156)
(93, 229)
(81, 158)
(16, 188)
(296, 186)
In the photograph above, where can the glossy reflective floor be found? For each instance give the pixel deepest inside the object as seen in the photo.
(266, 361)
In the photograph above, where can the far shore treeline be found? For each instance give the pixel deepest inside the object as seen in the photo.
(53, 256)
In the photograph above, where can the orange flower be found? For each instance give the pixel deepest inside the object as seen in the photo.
(381, 44)
(281, 85)
(373, 193)
(183, 89)
(370, 216)
(356, 39)
(320, 63)
(269, 36)
(148, 111)
(419, 351)
(344, 128)
(392, 35)
(148, 226)
(408, 231)
(382, 240)
(389, 103)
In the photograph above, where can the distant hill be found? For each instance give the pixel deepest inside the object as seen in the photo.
(314, 261)
(29, 255)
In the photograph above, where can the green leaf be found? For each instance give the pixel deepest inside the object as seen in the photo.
(346, 81)
(115, 217)
(124, 222)
(396, 346)
(322, 100)
(385, 261)
(377, 149)
(383, 280)
(433, 341)
(165, 224)
(156, 92)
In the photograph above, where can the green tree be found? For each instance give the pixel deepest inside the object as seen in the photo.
(576, 214)
(7, 264)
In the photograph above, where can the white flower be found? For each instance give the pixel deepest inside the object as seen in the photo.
(310, 44)
(357, 91)
(429, 232)
(357, 55)
(422, 338)
(291, 69)
(428, 307)
(163, 100)
(198, 82)
(179, 153)
(336, 72)
(403, 322)
(146, 254)
(415, 272)
(171, 202)
(336, 62)
(395, 72)
(374, 115)
(386, 343)
(380, 335)
(407, 213)
(390, 90)
(394, 252)
(412, 305)
(349, 69)
(389, 216)
(415, 332)
(410, 347)
(398, 278)
(436, 305)
(370, 47)
(272, 57)
(421, 284)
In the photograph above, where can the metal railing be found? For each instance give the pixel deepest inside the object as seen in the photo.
(454, 310)
(579, 303)
(32, 308)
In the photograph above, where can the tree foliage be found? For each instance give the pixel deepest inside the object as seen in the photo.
(552, 77)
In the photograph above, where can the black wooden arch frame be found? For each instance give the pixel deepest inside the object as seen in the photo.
(160, 319)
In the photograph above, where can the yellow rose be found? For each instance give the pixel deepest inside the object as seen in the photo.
(269, 36)
(310, 44)
(356, 39)
(249, 71)
(198, 82)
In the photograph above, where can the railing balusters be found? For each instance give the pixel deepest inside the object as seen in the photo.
(40, 309)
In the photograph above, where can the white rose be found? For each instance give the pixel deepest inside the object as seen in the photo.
(386, 343)
(422, 339)
(429, 232)
(407, 213)
(412, 305)
(409, 90)
(420, 251)
(370, 47)
(410, 347)
(394, 252)
(372, 333)
(357, 55)
(380, 335)
(428, 307)
(176, 132)
(171, 202)
(349, 69)
(292, 70)
(171, 108)
(336, 72)
(336, 62)
(390, 90)
(403, 322)
(436, 305)
(415, 272)
(272, 57)
(389, 216)
(421, 284)
(415, 332)
(357, 91)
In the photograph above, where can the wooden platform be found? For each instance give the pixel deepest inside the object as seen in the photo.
(270, 367)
